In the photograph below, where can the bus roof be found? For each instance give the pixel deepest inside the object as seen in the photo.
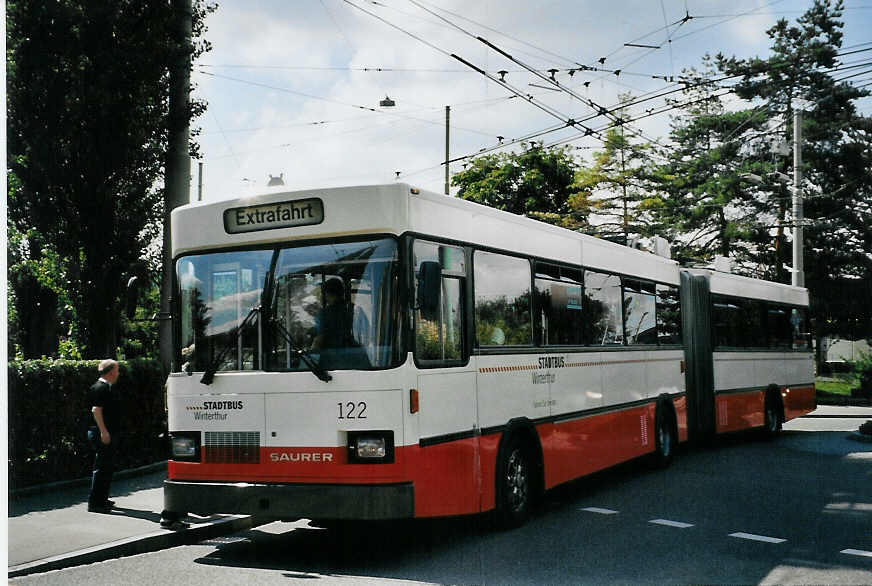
(398, 208)
(738, 286)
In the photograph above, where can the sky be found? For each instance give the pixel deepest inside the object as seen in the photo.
(294, 86)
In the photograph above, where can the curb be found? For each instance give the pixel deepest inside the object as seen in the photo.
(85, 481)
(146, 543)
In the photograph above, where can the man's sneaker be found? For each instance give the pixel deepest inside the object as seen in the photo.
(105, 509)
(174, 524)
(109, 503)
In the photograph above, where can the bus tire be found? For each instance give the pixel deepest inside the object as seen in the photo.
(515, 484)
(773, 413)
(665, 436)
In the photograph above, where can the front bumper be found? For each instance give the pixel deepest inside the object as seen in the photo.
(364, 502)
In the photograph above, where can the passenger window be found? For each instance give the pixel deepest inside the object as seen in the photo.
(779, 327)
(602, 298)
(801, 333)
(668, 315)
(559, 305)
(726, 314)
(640, 324)
(751, 331)
(502, 300)
(441, 338)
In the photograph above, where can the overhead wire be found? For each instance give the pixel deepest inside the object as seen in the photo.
(515, 91)
(499, 81)
(333, 101)
(601, 111)
(652, 112)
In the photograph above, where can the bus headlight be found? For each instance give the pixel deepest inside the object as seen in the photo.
(370, 447)
(185, 446)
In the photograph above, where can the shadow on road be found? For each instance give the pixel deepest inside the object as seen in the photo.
(62, 498)
(814, 497)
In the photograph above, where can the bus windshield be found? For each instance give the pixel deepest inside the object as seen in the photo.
(337, 303)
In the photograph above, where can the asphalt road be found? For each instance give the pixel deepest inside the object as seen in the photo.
(794, 510)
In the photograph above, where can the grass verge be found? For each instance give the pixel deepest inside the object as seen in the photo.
(841, 387)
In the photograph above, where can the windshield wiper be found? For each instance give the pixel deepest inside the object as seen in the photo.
(303, 355)
(209, 375)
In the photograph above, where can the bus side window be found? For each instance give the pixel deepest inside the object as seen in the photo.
(640, 325)
(439, 337)
(503, 315)
(778, 326)
(801, 331)
(602, 299)
(559, 305)
(668, 315)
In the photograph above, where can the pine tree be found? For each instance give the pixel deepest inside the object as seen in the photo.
(836, 151)
(705, 208)
(617, 185)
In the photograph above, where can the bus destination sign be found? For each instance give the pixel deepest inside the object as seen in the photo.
(285, 214)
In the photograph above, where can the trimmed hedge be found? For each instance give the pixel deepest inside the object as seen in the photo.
(49, 417)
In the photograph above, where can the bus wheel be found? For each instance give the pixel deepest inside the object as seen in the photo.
(665, 438)
(515, 485)
(773, 417)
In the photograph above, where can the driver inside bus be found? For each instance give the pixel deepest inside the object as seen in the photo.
(333, 322)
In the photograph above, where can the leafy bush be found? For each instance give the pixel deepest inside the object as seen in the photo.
(49, 416)
(863, 369)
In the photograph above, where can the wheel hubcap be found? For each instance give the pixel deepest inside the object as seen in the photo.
(665, 441)
(516, 481)
(773, 419)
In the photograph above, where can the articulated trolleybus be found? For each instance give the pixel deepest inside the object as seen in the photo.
(384, 353)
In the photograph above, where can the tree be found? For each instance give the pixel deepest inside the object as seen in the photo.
(87, 89)
(704, 207)
(616, 185)
(536, 182)
(835, 148)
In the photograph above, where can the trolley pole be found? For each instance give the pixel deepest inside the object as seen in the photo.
(447, 120)
(178, 168)
(798, 272)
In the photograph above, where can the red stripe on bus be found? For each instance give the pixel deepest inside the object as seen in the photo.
(798, 401)
(583, 446)
(458, 477)
(738, 411)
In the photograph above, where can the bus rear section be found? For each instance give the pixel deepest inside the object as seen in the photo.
(749, 355)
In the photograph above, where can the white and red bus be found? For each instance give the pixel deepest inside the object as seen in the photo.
(481, 357)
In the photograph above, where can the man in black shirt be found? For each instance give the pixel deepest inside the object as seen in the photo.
(105, 409)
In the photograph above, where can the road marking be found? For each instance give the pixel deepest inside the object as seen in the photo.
(860, 552)
(600, 511)
(753, 537)
(669, 523)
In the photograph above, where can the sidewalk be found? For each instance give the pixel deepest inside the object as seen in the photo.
(54, 529)
(855, 411)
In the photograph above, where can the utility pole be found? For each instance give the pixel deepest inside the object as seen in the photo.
(178, 166)
(798, 270)
(447, 120)
(199, 181)
(624, 187)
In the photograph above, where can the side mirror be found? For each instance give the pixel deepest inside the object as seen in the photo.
(132, 298)
(429, 297)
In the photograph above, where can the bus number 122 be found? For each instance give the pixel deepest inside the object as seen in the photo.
(352, 410)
